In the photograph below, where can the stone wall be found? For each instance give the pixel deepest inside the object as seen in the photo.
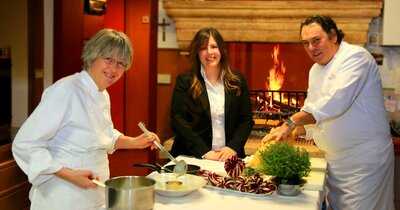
(268, 20)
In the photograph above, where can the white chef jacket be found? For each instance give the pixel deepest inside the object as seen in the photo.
(216, 98)
(345, 98)
(71, 127)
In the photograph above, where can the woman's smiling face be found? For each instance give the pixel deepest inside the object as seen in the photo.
(209, 54)
(106, 71)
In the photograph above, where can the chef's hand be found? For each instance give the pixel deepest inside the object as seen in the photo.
(152, 137)
(211, 155)
(299, 131)
(80, 178)
(278, 134)
(225, 153)
(140, 142)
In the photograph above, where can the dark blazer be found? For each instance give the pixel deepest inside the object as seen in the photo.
(191, 119)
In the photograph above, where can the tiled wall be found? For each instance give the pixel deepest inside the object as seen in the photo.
(389, 69)
(390, 73)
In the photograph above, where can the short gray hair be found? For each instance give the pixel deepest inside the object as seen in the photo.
(107, 43)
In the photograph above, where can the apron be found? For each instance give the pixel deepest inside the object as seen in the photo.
(365, 185)
(360, 178)
(58, 194)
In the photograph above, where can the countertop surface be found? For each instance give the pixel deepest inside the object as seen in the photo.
(253, 144)
(209, 198)
(315, 180)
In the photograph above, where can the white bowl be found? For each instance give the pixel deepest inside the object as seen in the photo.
(188, 184)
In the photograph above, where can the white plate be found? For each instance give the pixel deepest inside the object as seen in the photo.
(263, 195)
(189, 182)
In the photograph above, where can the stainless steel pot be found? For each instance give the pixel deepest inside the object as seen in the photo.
(130, 193)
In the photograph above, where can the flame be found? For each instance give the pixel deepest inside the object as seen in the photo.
(277, 72)
(275, 80)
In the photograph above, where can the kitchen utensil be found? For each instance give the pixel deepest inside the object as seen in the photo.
(100, 184)
(191, 169)
(129, 192)
(154, 167)
(168, 184)
(180, 166)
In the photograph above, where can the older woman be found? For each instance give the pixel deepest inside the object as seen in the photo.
(211, 112)
(63, 144)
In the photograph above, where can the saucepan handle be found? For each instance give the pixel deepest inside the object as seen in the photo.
(148, 165)
(98, 183)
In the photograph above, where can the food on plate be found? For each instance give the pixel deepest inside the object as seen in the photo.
(254, 161)
(234, 166)
(237, 180)
(251, 184)
(173, 185)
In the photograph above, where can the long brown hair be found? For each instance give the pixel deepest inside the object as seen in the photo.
(231, 81)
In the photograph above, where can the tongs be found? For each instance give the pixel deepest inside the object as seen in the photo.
(180, 165)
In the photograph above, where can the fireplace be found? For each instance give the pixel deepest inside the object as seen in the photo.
(264, 44)
(268, 20)
(271, 107)
(277, 75)
(255, 31)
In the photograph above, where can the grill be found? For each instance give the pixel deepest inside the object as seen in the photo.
(271, 107)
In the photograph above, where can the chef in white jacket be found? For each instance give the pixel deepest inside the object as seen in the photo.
(63, 144)
(345, 114)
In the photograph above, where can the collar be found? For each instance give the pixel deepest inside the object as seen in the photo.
(203, 74)
(341, 47)
(89, 82)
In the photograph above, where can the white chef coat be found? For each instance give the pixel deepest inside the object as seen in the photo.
(345, 98)
(216, 98)
(71, 127)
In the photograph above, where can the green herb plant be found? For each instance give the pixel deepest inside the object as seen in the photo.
(286, 163)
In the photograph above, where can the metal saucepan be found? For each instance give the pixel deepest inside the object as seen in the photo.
(191, 169)
(129, 192)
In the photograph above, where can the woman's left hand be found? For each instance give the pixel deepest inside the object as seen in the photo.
(225, 153)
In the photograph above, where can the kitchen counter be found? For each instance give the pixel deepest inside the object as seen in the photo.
(253, 143)
(207, 198)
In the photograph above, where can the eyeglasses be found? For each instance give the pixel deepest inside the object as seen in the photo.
(113, 62)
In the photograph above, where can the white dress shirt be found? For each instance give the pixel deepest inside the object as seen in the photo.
(71, 127)
(216, 98)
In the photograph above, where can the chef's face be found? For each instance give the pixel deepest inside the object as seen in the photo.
(106, 71)
(318, 44)
(209, 54)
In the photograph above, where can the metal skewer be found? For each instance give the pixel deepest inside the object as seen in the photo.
(180, 166)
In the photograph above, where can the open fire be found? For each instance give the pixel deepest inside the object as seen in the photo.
(272, 105)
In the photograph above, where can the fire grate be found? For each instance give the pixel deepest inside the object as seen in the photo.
(271, 107)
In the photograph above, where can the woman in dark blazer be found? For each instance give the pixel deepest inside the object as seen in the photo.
(210, 111)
